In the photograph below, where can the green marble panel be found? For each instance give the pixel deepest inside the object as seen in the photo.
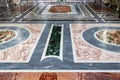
(53, 48)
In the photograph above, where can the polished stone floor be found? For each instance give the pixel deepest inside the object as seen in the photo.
(59, 76)
(83, 38)
(57, 41)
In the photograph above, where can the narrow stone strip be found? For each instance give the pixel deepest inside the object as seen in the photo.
(92, 12)
(54, 43)
(25, 13)
(78, 10)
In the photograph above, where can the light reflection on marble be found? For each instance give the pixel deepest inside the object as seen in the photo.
(10, 14)
(23, 51)
(84, 52)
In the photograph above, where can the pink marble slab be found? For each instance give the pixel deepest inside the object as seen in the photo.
(22, 52)
(85, 52)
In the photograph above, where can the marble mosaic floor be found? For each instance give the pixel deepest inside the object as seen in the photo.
(59, 76)
(87, 48)
(107, 14)
(35, 44)
(57, 46)
(41, 13)
(47, 9)
(11, 13)
(21, 48)
(57, 41)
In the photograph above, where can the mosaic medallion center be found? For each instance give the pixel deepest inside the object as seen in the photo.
(6, 35)
(109, 36)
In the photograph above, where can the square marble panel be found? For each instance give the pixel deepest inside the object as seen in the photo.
(46, 11)
(23, 51)
(85, 52)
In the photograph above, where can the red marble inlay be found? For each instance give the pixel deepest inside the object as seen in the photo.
(60, 76)
(60, 9)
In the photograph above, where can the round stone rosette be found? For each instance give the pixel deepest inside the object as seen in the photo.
(11, 36)
(103, 37)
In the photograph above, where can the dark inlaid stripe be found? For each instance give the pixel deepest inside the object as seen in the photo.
(54, 43)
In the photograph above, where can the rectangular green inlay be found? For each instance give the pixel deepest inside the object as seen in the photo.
(53, 48)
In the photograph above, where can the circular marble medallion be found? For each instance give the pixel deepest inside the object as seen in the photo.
(103, 37)
(111, 37)
(12, 36)
(7, 35)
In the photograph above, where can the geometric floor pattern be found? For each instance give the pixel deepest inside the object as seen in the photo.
(25, 41)
(68, 60)
(75, 41)
(59, 40)
(89, 49)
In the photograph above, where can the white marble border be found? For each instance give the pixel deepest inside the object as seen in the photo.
(63, 71)
(73, 46)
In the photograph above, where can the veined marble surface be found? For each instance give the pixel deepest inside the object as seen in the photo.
(47, 0)
(85, 52)
(59, 76)
(46, 11)
(23, 51)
